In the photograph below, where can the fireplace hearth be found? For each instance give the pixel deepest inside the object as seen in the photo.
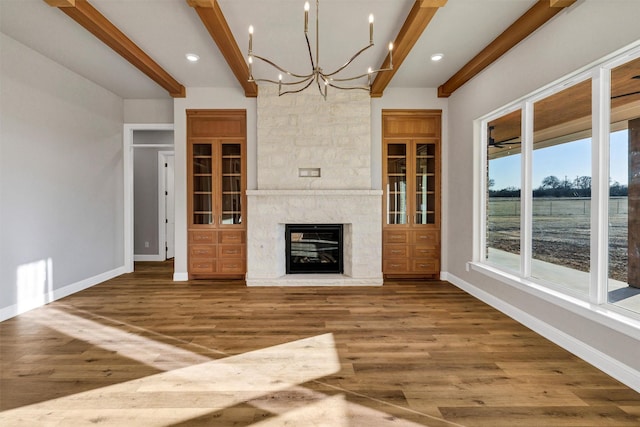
(314, 248)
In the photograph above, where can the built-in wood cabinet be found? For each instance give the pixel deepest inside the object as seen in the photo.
(216, 170)
(411, 185)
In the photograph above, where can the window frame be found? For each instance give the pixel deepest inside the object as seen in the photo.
(593, 305)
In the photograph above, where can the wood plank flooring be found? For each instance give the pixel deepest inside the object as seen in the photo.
(141, 350)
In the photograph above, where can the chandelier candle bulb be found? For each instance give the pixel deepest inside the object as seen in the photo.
(371, 28)
(391, 55)
(306, 16)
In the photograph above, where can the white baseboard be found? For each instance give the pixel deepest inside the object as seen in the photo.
(56, 294)
(180, 277)
(153, 258)
(613, 367)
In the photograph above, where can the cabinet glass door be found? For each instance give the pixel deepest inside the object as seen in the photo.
(202, 184)
(396, 183)
(231, 183)
(425, 182)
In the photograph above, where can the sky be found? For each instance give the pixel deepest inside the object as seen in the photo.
(568, 160)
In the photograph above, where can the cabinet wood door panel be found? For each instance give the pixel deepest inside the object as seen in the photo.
(395, 237)
(231, 251)
(231, 266)
(202, 237)
(411, 124)
(216, 123)
(426, 266)
(421, 252)
(395, 251)
(232, 237)
(397, 266)
(199, 266)
(202, 251)
(429, 239)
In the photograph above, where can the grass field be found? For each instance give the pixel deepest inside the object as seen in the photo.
(561, 231)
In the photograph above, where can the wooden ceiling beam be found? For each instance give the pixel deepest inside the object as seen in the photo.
(93, 21)
(418, 19)
(213, 19)
(534, 18)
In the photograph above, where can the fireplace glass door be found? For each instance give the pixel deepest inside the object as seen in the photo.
(313, 248)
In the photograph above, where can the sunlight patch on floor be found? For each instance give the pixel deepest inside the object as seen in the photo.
(195, 387)
(127, 344)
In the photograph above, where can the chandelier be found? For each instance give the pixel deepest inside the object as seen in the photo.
(300, 82)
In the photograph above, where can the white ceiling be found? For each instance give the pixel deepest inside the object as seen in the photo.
(168, 29)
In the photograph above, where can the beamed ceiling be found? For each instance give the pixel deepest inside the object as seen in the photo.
(136, 48)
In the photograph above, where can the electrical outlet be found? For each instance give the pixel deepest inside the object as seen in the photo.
(146, 244)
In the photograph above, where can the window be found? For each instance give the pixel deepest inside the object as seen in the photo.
(624, 187)
(561, 188)
(503, 190)
(555, 175)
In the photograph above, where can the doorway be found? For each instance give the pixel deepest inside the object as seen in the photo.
(145, 142)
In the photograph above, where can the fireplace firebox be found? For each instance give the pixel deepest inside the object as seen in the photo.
(313, 248)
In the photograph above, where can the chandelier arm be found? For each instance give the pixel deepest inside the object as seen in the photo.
(350, 87)
(346, 64)
(277, 82)
(346, 79)
(276, 66)
(313, 65)
(298, 90)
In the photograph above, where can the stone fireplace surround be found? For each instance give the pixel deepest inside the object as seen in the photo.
(305, 131)
(270, 210)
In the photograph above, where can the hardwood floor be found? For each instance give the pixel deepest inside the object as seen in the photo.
(143, 350)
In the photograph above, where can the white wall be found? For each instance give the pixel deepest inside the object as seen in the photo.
(576, 37)
(204, 98)
(148, 110)
(61, 180)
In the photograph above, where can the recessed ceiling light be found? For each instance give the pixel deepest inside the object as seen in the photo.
(192, 57)
(437, 57)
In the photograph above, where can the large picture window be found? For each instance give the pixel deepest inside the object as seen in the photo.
(561, 188)
(504, 181)
(624, 188)
(561, 196)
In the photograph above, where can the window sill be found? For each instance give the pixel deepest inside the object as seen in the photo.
(608, 315)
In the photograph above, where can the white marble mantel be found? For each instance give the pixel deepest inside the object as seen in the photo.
(358, 210)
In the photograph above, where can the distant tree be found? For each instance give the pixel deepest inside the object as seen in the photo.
(616, 189)
(582, 183)
(505, 192)
(551, 182)
(491, 182)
